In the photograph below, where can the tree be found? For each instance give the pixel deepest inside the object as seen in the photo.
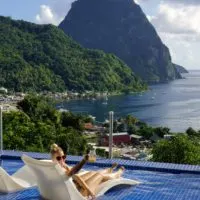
(39, 107)
(132, 129)
(179, 149)
(101, 152)
(71, 141)
(130, 120)
(16, 127)
(146, 131)
(38, 124)
(161, 131)
(121, 127)
(69, 119)
(191, 132)
(115, 125)
(36, 58)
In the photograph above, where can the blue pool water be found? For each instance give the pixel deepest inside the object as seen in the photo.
(154, 186)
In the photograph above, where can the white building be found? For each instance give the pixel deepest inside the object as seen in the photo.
(3, 90)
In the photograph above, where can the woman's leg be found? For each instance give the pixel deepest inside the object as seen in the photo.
(108, 170)
(94, 181)
(114, 175)
(87, 175)
(88, 187)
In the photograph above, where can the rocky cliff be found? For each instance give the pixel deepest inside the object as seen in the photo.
(121, 27)
(180, 69)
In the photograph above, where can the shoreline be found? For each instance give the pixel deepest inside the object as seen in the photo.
(59, 97)
(9, 101)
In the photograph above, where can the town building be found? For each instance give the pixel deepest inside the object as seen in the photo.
(118, 139)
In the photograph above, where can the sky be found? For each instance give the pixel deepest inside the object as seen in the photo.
(177, 22)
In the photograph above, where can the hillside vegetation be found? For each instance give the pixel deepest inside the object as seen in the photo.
(41, 57)
(37, 124)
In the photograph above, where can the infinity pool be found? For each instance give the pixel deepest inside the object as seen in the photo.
(154, 186)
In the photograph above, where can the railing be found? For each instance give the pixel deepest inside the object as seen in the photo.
(1, 130)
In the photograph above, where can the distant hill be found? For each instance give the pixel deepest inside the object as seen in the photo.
(42, 57)
(181, 69)
(121, 27)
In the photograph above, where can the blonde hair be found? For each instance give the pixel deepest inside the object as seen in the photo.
(55, 149)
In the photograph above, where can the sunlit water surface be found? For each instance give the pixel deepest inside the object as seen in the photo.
(175, 105)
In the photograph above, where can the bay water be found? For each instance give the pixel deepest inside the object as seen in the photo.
(175, 104)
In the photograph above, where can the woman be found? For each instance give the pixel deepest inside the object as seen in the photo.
(88, 182)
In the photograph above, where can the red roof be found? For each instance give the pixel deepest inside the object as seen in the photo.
(88, 125)
(117, 139)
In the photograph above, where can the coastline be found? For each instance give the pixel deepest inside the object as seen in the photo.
(9, 101)
(60, 97)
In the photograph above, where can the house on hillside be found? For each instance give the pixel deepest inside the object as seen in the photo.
(88, 126)
(118, 139)
(168, 136)
(3, 90)
(136, 139)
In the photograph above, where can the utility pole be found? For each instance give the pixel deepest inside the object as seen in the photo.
(1, 130)
(111, 113)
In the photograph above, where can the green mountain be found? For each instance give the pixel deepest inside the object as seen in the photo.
(41, 57)
(121, 27)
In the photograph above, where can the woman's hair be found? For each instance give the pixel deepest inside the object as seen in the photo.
(55, 149)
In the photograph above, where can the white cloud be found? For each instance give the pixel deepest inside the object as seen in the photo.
(137, 1)
(178, 18)
(173, 1)
(53, 13)
(46, 15)
(184, 1)
(183, 51)
(178, 25)
(140, 1)
(150, 18)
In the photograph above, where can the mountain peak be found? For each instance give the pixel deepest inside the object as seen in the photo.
(121, 27)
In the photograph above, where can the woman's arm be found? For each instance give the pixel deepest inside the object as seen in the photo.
(67, 169)
(77, 167)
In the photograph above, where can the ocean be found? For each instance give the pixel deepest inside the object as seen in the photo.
(175, 105)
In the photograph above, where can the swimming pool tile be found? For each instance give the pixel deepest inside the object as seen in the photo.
(131, 164)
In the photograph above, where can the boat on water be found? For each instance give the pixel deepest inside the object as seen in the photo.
(105, 101)
(92, 117)
(63, 110)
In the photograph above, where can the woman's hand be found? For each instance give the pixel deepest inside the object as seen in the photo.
(78, 166)
(86, 157)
